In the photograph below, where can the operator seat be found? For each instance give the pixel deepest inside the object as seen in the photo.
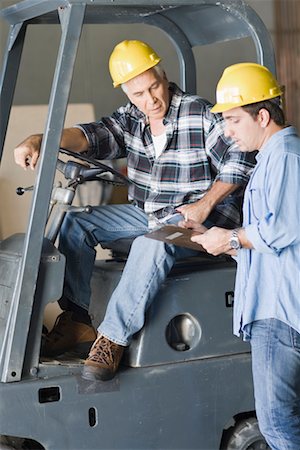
(119, 248)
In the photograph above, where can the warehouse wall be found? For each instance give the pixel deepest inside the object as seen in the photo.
(91, 82)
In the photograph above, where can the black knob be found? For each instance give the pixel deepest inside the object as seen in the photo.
(20, 190)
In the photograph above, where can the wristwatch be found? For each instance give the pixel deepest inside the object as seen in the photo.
(234, 241)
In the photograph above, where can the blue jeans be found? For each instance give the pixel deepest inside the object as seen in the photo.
(149, 262)
(276, 375)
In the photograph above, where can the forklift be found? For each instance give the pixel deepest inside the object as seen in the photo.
(185, 381)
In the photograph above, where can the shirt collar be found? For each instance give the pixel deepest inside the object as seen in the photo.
(175, 100)
(269, 145)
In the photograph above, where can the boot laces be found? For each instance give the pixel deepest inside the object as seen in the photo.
(104, 351)
(58, 327)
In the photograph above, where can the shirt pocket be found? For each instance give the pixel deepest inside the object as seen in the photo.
(257, 206)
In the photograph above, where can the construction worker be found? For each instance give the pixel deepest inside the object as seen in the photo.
(176, 155)
(267, 300)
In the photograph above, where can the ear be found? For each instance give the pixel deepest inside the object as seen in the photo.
(263, 117)
(164, 77)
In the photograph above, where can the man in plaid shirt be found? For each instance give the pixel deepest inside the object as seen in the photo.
(177, 156)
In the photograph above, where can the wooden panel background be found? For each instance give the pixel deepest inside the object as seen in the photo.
(287, 25)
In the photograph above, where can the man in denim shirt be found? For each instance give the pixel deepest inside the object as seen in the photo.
(267, 292)
(176, 155)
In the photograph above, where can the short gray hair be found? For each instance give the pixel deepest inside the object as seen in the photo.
(158, 69)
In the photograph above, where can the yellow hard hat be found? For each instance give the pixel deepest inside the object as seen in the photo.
(129, 59)
(243, 84)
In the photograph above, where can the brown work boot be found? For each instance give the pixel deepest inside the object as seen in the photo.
(103, 360)
(68, 335)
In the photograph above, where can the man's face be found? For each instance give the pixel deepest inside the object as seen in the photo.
(149, 93)
(243, 129)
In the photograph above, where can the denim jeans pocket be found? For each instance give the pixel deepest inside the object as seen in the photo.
(295, 338)
(259, 333)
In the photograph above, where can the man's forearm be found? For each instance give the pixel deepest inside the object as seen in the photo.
(217, 193)
(245, 243)
(200, 210)
(74, 139)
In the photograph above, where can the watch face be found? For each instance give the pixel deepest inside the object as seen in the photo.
(234, 243)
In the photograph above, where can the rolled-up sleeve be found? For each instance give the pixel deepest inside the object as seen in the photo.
(105, 137)
(278, 226)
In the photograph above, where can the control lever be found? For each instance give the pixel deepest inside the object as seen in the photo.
(58, 218)
(87, 209)
(20, 190)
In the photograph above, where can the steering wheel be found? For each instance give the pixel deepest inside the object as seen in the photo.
(117, 177)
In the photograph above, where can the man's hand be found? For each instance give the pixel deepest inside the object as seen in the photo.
(192, 225)
(201, 209)
(196, 212)
(215, 241)
(27, 153)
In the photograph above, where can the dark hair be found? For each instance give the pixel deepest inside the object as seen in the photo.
(273, 106)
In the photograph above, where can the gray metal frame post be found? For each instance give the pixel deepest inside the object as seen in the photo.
(8, 78)
(19, 320)
(258, 33)
(187, 64)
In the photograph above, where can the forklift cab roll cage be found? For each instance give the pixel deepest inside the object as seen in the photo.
(187, 24)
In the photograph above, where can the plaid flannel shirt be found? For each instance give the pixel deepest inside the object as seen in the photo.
(196, 154)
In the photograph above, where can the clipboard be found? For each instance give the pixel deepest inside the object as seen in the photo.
(172, 234)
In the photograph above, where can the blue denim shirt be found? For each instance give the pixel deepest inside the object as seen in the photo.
(268, 276)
